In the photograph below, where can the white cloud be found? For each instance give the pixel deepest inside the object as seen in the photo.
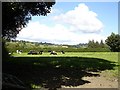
(58, 34)
(81, 19)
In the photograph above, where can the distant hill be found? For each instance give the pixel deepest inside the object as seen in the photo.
(26, 46)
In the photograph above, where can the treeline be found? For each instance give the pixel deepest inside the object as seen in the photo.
(93, 44)
(112, 43)
(26, 46)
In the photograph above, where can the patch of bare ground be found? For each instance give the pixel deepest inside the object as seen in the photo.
(105, 80)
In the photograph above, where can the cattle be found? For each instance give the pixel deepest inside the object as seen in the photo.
(40, 52)
(10, 53)
(19, 51)
(49, 51)
(62, 52)
(31, 52)
(53, 53)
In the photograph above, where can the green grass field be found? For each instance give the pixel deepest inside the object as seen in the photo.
(53, 71)
(110, 56)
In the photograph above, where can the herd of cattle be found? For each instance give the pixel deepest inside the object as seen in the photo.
(33, 52)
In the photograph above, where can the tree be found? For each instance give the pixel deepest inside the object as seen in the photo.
(16, 15)
(96, 44)
(91, 44)
(102, 45)
(113, 41)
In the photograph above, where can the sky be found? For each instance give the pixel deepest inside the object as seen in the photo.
(73, 23)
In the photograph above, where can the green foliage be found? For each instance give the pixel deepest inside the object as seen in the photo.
(93, 44)
(16, 15)
(102, 45)
(26, 46)
(113, 41)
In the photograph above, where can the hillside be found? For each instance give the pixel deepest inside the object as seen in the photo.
(26, 46)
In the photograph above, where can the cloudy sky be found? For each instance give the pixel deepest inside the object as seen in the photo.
(73, 23)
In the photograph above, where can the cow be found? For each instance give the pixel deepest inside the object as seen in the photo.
(53, 53)
(62, 52)
(49, 51)
(19, 51)
(31, 52)
(40, 52)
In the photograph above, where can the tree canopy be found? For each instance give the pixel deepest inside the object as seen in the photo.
(16, 15)
(93, 44)
(113, 41)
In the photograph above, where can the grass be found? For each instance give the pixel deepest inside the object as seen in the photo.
(53, 71)
(110, 56)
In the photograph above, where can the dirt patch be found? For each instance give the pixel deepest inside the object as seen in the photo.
(102, 81)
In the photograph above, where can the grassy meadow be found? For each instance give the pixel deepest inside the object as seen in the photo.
(55, 71)
(110, 56)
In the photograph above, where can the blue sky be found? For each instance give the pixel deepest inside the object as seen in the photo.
(73, 23)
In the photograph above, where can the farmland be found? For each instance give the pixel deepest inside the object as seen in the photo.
(110, 56)
(64, 70)
(71, 48)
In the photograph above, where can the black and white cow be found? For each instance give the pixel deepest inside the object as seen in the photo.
(53, 53)
(62, 52)
(32, 52)
(40, 52)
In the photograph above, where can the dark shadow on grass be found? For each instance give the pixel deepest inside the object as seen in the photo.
(53, 72)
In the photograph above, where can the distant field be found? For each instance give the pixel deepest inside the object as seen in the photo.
(111, 56)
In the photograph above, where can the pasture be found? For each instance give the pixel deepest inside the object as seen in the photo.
(55, 71)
